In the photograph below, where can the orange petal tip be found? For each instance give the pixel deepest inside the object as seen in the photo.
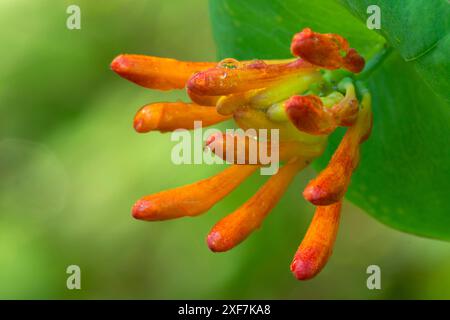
(327, 50)
(319, 197)
(120, 64)
(308, 115)
(303, 269)
(313, 194)
(148, 118)
(138, 125)
(353, 61)
(141, 209)
(215, 242)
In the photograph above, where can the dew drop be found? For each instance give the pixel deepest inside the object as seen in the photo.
(229, 63)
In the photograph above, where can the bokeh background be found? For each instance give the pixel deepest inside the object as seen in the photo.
(71, 166)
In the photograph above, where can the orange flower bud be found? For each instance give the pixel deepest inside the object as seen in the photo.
(308, 114)
(332, 183)
(169, 116)
(317, 245)
(238, 152)
(223, 80)
(234, 228)
(353, 62)
(192, 199)
(155, 72)
(327, 50)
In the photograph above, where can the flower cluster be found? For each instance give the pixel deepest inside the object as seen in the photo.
(306, 98)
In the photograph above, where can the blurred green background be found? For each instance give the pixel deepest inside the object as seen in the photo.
(72, 166)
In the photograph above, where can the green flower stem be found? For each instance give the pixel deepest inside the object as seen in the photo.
(374, 63)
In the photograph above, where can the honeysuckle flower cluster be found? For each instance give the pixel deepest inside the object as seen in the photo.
(306, 98)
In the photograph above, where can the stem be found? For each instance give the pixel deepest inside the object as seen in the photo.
(333, 78)
(374, 63)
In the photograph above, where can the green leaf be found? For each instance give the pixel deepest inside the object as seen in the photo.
(403, 176)
(420, 31)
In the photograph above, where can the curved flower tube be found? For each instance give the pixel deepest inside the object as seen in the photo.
(317, 245)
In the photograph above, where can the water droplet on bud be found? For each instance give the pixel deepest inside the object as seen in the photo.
(229, 63)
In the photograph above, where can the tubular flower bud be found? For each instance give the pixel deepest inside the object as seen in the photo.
(156, 73)
(331, 184)
(317, 245)
(328, 50)
(169, 116)
(234, 228)
(308, 115)
(299, 105)
(193, 199)
(223, 80)
(241, 149)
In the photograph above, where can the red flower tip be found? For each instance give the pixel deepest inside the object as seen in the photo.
(320, 195)
(332, 183)
(304, 268)
(307, 113)
(119, 64)
(141, 209)
(317, 245)
(148, 118)
(328, 50)
(353, 61)
(216, 243)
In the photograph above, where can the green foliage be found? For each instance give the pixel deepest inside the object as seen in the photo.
(420, 31)
(403, 176)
